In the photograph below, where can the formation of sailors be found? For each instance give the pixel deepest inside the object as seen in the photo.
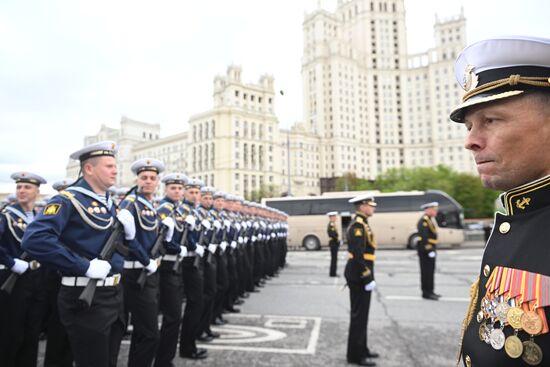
(90, 263)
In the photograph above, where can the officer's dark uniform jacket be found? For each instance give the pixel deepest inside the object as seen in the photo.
(147, 224)
(71, 231)
(427, 234)
(520, 240)
(332, 233)
(13, 223)
(361, 248)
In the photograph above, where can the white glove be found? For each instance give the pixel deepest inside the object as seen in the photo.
(263, 224)
(183, 251)
(152, 266)
(217, 224)
(431, 254)
(191, 221)
(370, 287)
(273, 235)
(253, 238)
(245, 239)
(98, 269)
(233, 244)
(205, 224)
(256, 225)
(127, 220)
(199, 250)
(244, 224)
(20, 266)
(212, 248)
(238, 226)
(240, 239)
(223, 245)
(226, 223)
(169, 222)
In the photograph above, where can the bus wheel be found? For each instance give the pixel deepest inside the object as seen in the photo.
(412, 242)
(311, 243)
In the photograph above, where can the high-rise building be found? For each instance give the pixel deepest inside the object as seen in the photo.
(368, 106)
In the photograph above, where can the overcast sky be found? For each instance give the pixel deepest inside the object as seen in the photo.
(66, 67)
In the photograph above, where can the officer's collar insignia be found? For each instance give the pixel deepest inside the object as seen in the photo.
(470, 79)
(528, 197)
(520, 204)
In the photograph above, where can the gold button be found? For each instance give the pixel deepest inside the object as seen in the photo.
(468, 361)
(504, 227)
(486, 270)
(480, 316)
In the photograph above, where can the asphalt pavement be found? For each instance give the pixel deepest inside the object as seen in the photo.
(301, 317)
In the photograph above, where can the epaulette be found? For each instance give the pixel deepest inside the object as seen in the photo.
(68, 195)
(168, 205)
(131, 198)
(359, 220)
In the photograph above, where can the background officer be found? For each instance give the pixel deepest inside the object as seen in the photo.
(334, 243)
(426, 248)
(360, 279)
(21, 311)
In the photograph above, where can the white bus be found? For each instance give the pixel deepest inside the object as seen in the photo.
(394, 222)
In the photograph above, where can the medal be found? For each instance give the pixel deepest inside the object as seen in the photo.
(513, 346)
(90, 210)
(531, 323)
(514, 317)
(532, 354)
(480, 316)
(96, 210)
(483, 332)
(103, 210)
(502, 311)
(497, 339)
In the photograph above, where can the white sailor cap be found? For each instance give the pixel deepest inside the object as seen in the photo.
(207, 190)
(121, 191)
(194, 183)
(28, 177)
(363, 199)
(11, 198)
(219, 194)
(230, 197)
(175, 178)
(331, 214)
(499, 68)
(108, 148)
(433, 204)
(63, 184)
(147, 164)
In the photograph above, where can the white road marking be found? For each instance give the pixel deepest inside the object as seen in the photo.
(418, 298)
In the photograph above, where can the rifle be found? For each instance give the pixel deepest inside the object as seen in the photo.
(179, 259)
(158, 248)
(9, 283)
(111, 245)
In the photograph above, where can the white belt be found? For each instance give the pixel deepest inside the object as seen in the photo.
(83, 281)
(170, 258)
(133, 265)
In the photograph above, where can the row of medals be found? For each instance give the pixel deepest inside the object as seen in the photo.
(495, 314)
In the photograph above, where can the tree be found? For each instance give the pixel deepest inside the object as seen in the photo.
(265, 191)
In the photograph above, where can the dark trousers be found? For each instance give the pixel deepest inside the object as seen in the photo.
(359, 316)
(193, 285)
(21, 319)
(222, 283)
(170, 306)
(58, 347)
(210, 288)
(333, 258)
(142, 304)
(94, 333)
(427, 268)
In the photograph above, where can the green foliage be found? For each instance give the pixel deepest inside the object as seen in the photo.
(478, 202)
(265, 191)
